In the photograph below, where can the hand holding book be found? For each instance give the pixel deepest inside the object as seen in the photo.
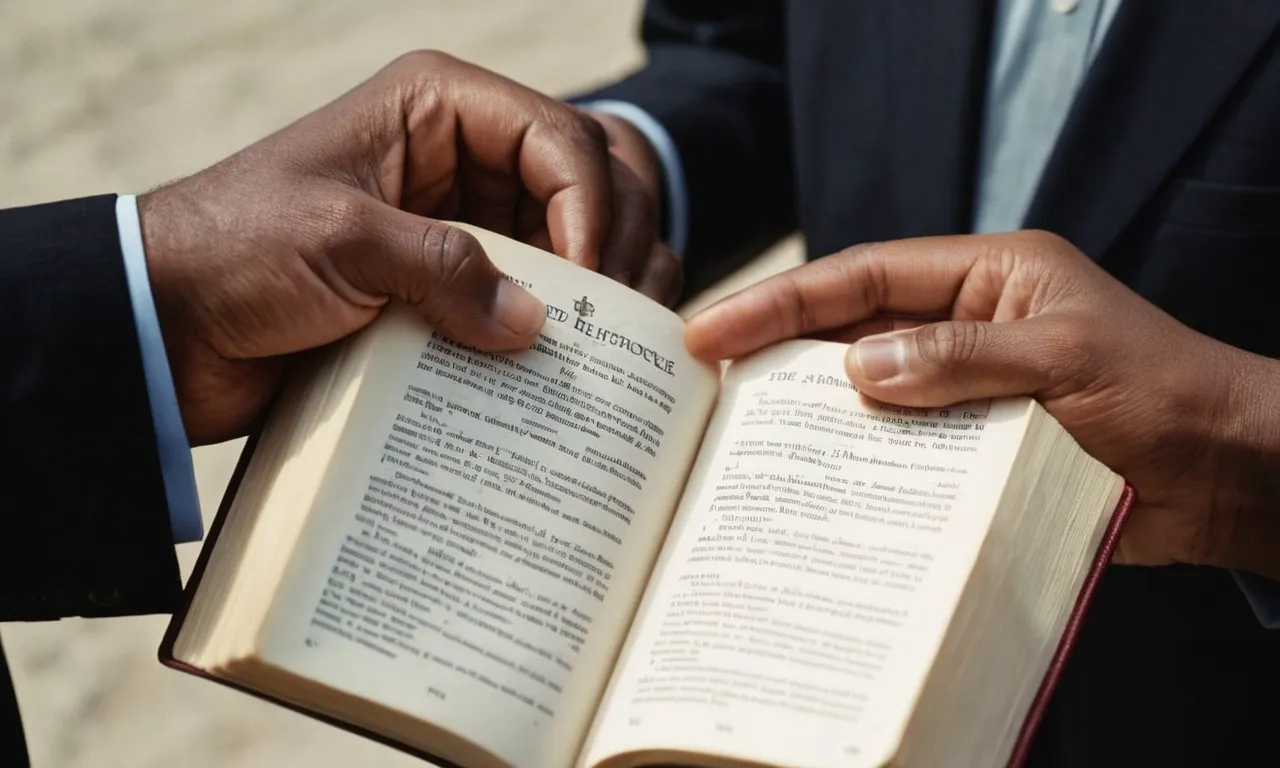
(300, 239)
(1186, 420)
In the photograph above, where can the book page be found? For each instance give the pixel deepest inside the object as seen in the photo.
(811, 571)
(490, 521)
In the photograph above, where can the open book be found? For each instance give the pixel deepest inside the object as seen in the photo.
(602, 552)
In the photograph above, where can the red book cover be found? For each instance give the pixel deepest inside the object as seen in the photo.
(1038, 706)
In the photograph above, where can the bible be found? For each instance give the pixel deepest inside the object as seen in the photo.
(601, 552)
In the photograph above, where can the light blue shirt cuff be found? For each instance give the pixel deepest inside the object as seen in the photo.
(1263, 596)
(677, 235)
(171, 438)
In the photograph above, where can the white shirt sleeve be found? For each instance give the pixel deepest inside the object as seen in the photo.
(171, 438)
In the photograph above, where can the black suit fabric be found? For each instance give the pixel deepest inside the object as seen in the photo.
(84, 527)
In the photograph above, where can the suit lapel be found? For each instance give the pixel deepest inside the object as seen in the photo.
(938, 63)
(1162, 72)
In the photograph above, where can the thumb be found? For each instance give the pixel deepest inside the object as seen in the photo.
(946, 363)
(444, 273)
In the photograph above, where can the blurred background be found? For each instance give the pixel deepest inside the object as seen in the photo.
(100, 96)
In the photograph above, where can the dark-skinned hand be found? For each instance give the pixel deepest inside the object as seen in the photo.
(1190, 422)
(300, 239)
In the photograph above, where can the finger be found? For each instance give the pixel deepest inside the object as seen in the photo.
(451, 109)
(876, 325)
(564, 164)
(634, 228)
(662, 277)
(906, 277)
(487, 198)
(444, 273)
(944, 363)
(531, 223)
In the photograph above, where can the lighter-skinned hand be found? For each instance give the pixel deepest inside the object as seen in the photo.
(1188, 421)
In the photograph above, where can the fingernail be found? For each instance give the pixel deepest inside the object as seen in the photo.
(880, 357)
(517, 310)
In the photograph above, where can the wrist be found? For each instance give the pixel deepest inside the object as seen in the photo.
(1245, 497)
(159, 249)
(171, 243)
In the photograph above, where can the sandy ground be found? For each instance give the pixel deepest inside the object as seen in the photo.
(121, 95)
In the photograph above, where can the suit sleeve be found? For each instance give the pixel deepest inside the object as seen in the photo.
(1263, 596)
(715, 81)
(84, 524)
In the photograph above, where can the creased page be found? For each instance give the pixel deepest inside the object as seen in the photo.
(811, 571)
(492, 519)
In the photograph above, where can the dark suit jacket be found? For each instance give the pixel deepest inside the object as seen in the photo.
(84, 527)
(859, 121)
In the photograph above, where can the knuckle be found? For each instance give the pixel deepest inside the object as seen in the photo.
(791, 303)
(948, 346)
(1070, 351)
(591, 130)
(340, 222)
(425, 60)
(428, 97)
(1021, 246)
(563, 130)
(1046, 247)
(579, 128)
(1044, 238)
(446, 255)
(853, 252)
(862, 266)
(446, 251)
(422, 77)
(417, 76)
